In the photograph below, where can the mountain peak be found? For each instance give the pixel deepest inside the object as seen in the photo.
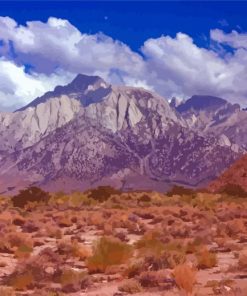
(199, 102)
(84, 88)
(81, 82)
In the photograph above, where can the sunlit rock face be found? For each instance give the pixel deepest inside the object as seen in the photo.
(89, 132)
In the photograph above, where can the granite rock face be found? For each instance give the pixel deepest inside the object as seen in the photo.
(215, 116)
(89, 133)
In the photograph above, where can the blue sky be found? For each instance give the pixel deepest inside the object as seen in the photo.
(173, 48)
(134, 22)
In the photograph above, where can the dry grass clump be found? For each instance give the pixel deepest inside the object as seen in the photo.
(150, 243)
(7, 291)
(73, 281)
(134, 268)
(52, 231)
(16, 242)
(194, 246)
(23, 251)
(96, 219)
(108, 252)
(32, 272)
(158, 255)
(22, 281)
(73, 249)
(72, 200)
(235, 228)
(130, 286)
(185, 278)
(160, 278)
(206, 259)
(242, 260)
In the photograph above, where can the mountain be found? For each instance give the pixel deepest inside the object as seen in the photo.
(236, 174)
(215, 116)
(89, 133)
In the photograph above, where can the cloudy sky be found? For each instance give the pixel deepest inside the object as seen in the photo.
(176, 49)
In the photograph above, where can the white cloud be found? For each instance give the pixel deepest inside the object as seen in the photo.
(18, 88)
(233, 39)
(57, 51)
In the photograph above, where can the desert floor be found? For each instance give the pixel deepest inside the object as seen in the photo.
(103, 242)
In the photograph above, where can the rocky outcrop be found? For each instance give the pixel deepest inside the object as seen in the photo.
(236, 174)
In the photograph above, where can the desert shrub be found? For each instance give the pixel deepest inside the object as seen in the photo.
(235, 227)
(204, 201)
(206, 259)
(75, 199)
(121, 235)
(174, 253)
(144, 198)
(134, 268)
(30, 226)
(135, 227)
(149, 279)
(23, 251)
(180, 190)
(102, 193)
(179, 230)
(144, 214)
(64, 221)
(96, 219)
(107, 228)
(73, 249)
(158, 255)
(30, 195)
(150, 243)
(108, 252)
(130, 286)
(242, 260)
(185, 278)
(22, 281)
(53, 231)
(47, 292)
(18, 220)
(6, 291)
(233, 190)
(73, 281)
(13, 241)
(174, 258)
(193, 246)
(35, 270)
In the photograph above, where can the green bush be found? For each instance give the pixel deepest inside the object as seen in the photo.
(30, 195)
(102, 193)
(180, 190)
(233, 190)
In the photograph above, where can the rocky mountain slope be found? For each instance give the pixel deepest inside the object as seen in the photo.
(236, 174)
(89, 133)
(215, 116)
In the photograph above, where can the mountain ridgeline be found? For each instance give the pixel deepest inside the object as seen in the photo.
(91, 133)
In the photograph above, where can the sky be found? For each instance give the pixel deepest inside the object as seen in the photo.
(173, 48)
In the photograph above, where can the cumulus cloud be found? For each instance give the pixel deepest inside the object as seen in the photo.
(18, 88)
(234, 39)
(180, 68)
(38, 56)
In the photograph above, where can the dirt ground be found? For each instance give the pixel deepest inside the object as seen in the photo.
(142, 243)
